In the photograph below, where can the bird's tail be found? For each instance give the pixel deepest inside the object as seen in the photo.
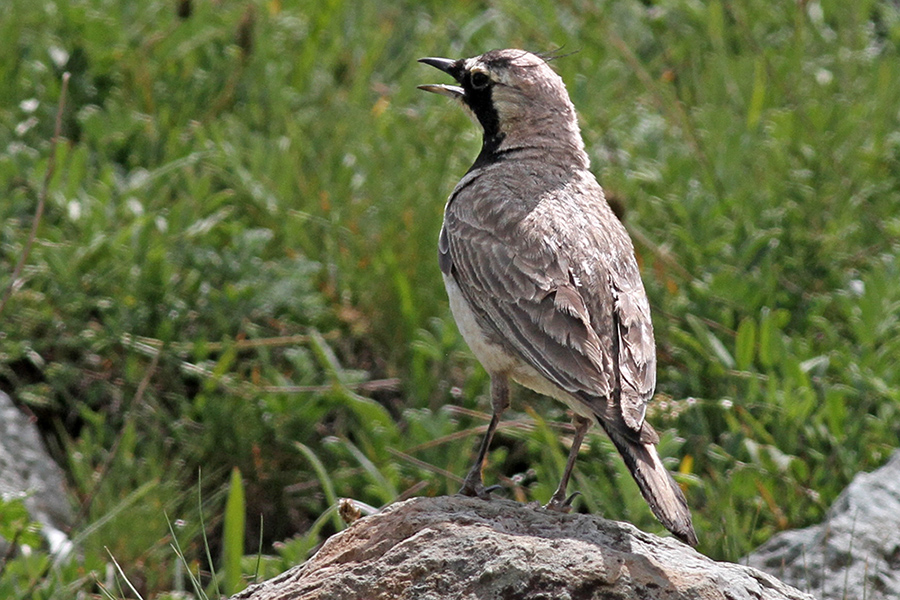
(664, 496)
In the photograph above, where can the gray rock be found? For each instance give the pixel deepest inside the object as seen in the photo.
(453, 547)
(855, 552)
(27, 470)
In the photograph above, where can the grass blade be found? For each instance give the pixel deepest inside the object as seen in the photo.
(233, 535)
(324, 479)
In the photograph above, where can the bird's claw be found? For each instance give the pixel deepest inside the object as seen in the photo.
(558, 504)
(477, 490)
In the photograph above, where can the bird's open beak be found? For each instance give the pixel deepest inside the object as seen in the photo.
(447, 66)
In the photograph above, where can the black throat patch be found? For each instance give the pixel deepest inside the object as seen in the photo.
(481, 102)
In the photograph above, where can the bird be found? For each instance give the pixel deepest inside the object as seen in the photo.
(541, 276)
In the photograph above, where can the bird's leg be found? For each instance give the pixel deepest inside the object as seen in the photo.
(473, 484)
(559, 502)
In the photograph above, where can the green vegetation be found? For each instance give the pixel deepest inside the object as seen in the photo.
(236, 265)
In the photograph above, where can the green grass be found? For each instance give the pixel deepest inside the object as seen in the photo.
(248, 199)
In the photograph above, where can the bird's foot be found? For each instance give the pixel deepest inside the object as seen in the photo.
(559, 503)
(476, 489)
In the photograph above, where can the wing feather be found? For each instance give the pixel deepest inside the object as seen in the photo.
(637, 352)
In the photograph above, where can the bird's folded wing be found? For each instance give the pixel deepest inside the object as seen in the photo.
(596, 344)
(534, 309)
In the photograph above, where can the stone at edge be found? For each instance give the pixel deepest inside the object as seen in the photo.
(855, 552)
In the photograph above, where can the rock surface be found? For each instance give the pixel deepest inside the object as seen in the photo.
(453, 547)
(855, 552)
(27, 470)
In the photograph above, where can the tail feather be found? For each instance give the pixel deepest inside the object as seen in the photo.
(662, 493)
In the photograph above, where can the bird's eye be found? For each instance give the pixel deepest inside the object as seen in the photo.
(480, 80)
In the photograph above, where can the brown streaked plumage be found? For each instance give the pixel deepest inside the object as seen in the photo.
(541, 275)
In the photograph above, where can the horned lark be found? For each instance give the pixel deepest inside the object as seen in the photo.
(541, 275)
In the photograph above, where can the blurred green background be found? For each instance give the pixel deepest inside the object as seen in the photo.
(236, 266)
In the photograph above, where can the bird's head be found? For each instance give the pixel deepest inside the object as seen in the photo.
(514, 95)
